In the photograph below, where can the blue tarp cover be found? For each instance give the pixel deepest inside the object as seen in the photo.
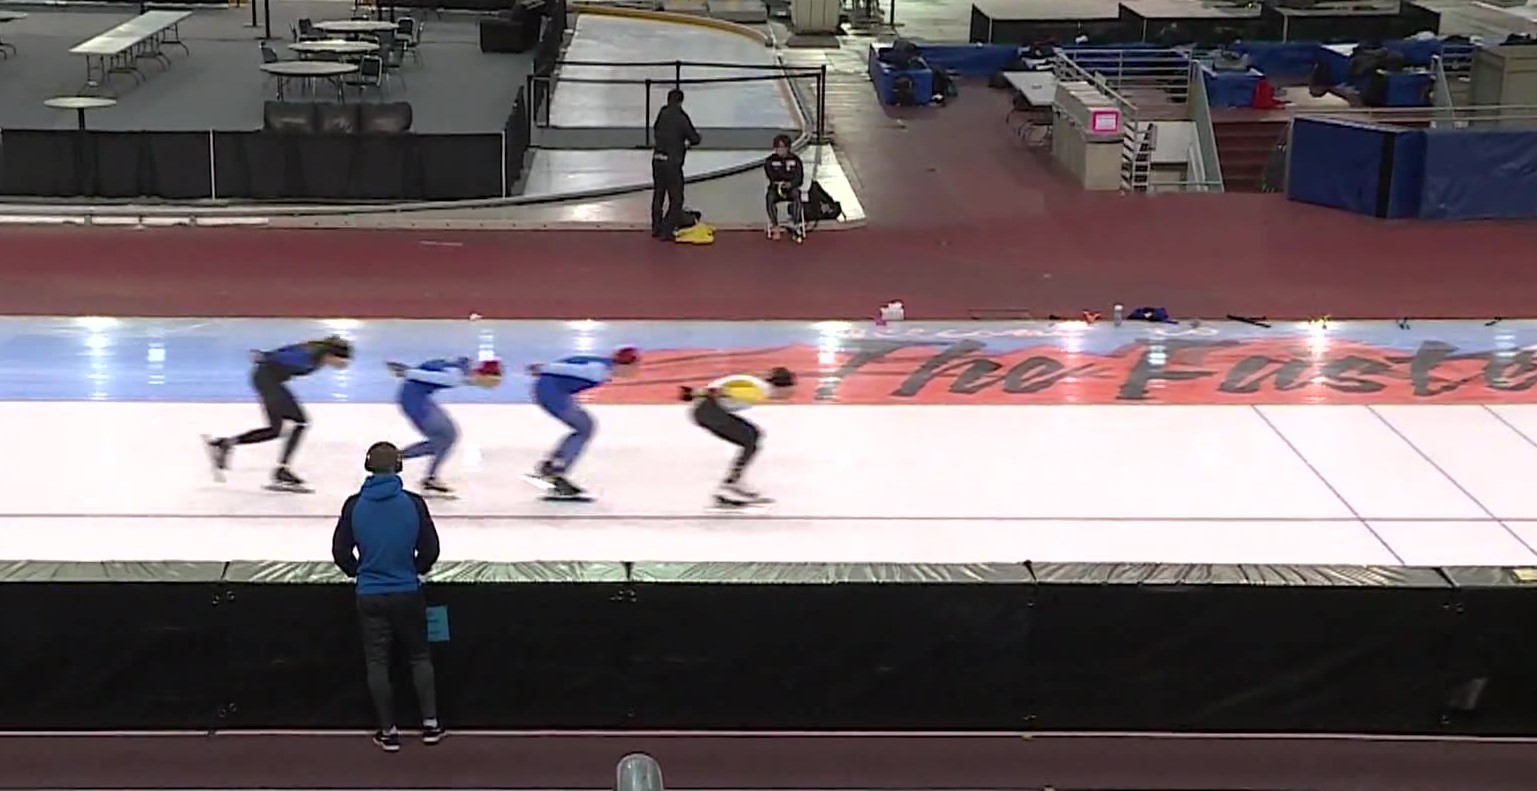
(1336, 164)
(1478, 174)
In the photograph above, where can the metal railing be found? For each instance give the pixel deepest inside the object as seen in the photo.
(654, 77)
(1441, 95)
(1513, 116)
(1205, 161)
(1146, 86)
(1145, 76)
(1065, 69)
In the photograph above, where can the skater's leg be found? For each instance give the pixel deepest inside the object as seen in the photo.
(277, 403)
(564, 407)
(714, 418)
(751, 436)
(419, 419)
(581, 432)
(439, 432)
(443, 435)
(294, 413)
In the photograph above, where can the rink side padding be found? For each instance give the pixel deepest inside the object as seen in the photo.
(743, 646)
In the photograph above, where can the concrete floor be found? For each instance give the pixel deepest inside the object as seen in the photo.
(220, 84)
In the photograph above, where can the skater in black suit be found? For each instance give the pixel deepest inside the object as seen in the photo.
(270, 380)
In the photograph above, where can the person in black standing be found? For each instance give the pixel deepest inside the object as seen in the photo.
(385, 539)
(673, 133)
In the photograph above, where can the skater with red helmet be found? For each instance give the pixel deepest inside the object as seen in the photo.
(418, 400)
(556, 386)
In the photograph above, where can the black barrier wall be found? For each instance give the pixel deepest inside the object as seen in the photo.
(262, 165)
(723, 646)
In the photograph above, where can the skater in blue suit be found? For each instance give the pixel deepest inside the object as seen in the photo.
(418, 400)
(556, 386)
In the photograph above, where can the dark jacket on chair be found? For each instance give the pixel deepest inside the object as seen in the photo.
(385, 537)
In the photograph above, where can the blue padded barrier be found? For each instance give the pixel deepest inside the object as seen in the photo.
(1230, 88)
(1407, 185)
(970, 60)
(1479, 174)
(1338, 164)
(1281, 60)
(883, 76)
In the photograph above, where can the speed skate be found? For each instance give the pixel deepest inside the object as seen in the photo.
(552, 495)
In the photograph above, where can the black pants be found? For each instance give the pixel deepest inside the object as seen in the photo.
(280, 406)
(388, 618)
(790, 195)
(712, 417)
(666, 195)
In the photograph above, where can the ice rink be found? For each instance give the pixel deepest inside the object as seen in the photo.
(1415, 485)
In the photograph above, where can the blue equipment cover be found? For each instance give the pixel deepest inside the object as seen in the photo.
(1337, 164)
(1477, 174)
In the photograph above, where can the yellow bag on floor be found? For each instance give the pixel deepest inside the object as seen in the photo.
(698, 233)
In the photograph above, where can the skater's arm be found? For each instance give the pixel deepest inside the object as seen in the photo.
(427, 547)
(797, 173)
(451, 377)
(585, 368)
(343, 543)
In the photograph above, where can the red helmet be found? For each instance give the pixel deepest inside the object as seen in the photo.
(626, 355)
(489, 368)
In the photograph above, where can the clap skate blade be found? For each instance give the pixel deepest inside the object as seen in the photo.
(552, 494)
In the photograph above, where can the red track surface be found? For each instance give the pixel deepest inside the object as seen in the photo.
(961, 219)
(1010, 763)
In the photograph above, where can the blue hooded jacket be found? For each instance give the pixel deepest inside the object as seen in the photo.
(385, 537)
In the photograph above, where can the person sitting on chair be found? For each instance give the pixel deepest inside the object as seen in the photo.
(785, 173)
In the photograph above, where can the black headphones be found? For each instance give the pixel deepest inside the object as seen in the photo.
(383, 458)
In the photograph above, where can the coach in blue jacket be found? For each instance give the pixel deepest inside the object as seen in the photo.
(386, 540)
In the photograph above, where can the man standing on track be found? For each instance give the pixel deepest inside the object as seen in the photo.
(385, 539)
(672, 133)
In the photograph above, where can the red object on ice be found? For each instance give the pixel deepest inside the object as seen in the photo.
(627, 355)
(489, 368)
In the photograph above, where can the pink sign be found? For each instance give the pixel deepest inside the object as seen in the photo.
(1104, 121)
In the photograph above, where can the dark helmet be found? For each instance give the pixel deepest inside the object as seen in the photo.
(781, 377)
(337, 346)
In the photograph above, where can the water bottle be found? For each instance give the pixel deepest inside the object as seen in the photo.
(1119, 314)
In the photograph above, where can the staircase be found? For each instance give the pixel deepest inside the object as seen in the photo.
(1244, 147)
